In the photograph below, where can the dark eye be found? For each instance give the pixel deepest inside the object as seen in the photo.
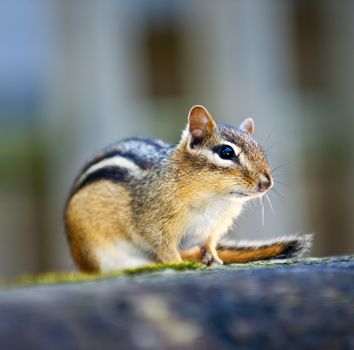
(226, 152)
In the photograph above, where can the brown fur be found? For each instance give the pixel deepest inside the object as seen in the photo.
(97, 215)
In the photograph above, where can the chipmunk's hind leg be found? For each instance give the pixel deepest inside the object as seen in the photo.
(98, 222)
(82, 255)
(122, 255)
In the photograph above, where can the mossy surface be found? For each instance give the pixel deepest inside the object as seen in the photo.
(72, 277)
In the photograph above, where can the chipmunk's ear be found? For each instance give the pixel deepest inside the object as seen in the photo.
(201, 125)
(248, 126)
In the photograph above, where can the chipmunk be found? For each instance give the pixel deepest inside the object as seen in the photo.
(143, 200)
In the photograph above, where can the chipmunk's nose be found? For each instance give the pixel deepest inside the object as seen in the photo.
(265, 182)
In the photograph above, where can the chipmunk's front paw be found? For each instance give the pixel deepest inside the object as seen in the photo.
(210, 258)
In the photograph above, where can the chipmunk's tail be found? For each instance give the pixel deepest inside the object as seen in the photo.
(246, 251)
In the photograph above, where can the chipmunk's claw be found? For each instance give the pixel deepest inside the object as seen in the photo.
(209, 258)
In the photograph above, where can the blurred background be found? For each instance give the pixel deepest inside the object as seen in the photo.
(78, 75)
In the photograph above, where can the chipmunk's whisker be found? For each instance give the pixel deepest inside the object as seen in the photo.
(272, 146)
(279, 167)
(254, 204)
(265, 143)
(250, 204)
(282, 183)
(279, 176)
(278, 193)
(262, 204)
(270, 203)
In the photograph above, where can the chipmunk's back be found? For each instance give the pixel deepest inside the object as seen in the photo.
(122, 159)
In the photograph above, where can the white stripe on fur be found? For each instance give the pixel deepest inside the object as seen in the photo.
(116, 161)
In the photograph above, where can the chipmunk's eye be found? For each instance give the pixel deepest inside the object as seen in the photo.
(226, 152)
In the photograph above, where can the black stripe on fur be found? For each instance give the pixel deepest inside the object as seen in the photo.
(115, 174)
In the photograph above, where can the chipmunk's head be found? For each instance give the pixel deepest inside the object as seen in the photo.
(224, 159)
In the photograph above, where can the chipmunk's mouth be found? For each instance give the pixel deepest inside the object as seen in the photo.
(239, 194)
(247, 195)
(264, 184)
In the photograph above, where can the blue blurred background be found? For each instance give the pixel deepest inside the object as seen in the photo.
(78, 75)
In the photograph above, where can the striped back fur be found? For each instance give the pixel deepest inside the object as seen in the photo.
(121, 160)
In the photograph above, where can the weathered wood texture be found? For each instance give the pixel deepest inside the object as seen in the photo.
(307, 305)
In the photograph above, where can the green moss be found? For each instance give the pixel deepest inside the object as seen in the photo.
(71, 277)
(55, 278)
